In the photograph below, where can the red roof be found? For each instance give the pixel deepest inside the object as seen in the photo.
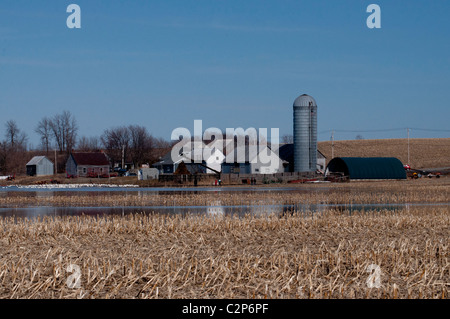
(98, 158)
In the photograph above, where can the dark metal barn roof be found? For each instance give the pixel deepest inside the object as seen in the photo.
(95, 159)
(368, 167)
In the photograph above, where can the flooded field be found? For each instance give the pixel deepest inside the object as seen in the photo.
(305, 241)
(212, 210)
(61, 200)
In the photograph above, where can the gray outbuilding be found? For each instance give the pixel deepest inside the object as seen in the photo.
(40, 166)
(146, 173)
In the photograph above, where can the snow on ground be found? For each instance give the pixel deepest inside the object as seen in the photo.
(51, 186)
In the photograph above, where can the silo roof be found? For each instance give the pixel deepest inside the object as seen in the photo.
(368, 167)
(304, 100)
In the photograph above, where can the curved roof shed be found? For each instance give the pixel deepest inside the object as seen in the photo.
(367, 167)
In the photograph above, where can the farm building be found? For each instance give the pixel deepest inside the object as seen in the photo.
(147, 173)
(366, 168)
(87, 165)
(40, 166)
(168, 164)
(212, 158)
(245, 161)
(286, 153)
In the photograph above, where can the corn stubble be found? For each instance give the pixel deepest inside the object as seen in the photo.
(290, 256)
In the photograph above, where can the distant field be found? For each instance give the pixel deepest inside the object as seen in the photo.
(424, 152)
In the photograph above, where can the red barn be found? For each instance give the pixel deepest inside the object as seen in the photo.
(87, 164)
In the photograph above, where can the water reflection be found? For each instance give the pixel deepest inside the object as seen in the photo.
(215, 209)
(18, 191)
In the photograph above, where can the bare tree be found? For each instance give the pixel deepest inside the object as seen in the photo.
(64, 129)
(15, 138)
(45, 132)
(116, 141)
(57, 131)
(11, 132)
(141, 144)
(13, 149)
(160, 148)
(70, 130)
(3, 157)
(132, 143)
(88, 144)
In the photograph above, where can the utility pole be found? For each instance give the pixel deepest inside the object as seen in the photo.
(408, 146)
(123, 156)
(332, 144)
(56, 164)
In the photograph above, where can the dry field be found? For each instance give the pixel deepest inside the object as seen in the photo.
(424, 152)
(137, 256)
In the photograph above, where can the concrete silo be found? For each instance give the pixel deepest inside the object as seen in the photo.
(305, 134)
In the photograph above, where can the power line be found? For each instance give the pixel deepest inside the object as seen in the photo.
(427, 129)
(367, 131)
(384, 130)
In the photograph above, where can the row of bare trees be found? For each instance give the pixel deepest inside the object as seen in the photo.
(61, 129)
(132, 143)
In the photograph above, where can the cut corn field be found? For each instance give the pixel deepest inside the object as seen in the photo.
(290, 256)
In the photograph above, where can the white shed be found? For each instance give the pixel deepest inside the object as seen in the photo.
(40, 166)
(146, 173)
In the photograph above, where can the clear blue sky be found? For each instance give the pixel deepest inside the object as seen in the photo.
(230, 63)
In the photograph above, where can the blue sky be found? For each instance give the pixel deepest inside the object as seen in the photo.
(230, 63)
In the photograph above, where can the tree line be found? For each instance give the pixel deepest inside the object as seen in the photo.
(129, 143)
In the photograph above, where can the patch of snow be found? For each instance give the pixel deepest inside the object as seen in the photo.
(51, 186)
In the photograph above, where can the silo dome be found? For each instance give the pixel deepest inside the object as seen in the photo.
(304, 100)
